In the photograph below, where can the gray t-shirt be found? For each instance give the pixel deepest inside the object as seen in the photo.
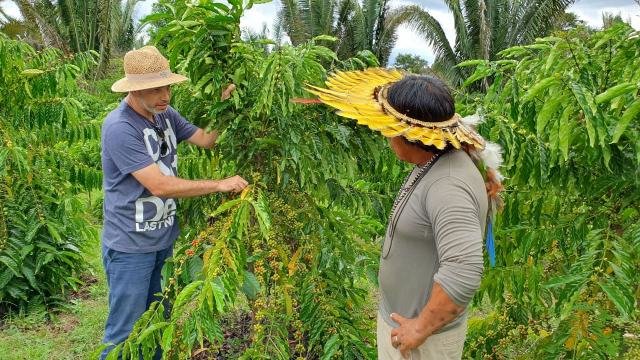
(438, 237)
(135, 221)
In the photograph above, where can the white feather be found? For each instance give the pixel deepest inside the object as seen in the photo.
(492, 157)
(473, 120)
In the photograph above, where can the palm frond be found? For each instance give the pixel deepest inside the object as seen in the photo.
(463, 39)
(426, 25)
(537, 17)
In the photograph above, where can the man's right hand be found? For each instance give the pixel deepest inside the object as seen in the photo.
(227, 92)
(232, 184)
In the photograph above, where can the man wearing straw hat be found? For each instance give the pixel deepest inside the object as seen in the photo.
(139, 161)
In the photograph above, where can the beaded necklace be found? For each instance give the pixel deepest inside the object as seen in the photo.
(403, 196)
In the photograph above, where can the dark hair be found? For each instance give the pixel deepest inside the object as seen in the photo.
(425, 98)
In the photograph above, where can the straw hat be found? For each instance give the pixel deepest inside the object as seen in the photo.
(362, 96)
(145, 68)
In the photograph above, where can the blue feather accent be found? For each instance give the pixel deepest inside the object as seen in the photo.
(491, 246)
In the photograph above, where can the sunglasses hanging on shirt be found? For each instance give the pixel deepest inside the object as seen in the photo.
(164, 146)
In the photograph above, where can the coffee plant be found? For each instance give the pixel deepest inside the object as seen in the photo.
(49, 160)
(566, 111)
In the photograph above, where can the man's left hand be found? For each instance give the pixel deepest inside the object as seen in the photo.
(408, 336)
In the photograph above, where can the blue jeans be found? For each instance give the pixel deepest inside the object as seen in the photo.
(133, 281)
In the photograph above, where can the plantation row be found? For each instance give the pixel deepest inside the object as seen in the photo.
(296, 255)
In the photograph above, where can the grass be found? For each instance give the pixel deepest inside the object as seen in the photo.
(73, 333)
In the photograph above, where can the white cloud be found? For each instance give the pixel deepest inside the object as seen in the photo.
(260, 15)
(592, 15)
(410, 42)
(11, 9)
(143, 8)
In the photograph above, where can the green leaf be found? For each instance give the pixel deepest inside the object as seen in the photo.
(194, 267)
(225, 206)
(28, 274)
(617, 297)
(183, 297)
(189, 23)
(32, 72)
(587, 109)
(114, 353)
(615, 91)
(262, 213)
(565, 279)
(250, 286)
(325, 38)
(481, 72)
(548, 110)
(565, 131)
(218, 295)
(539, 87)
(53, 231)
(473, 62)
(330, 347)
(167, 337)
(150, 330)
(5, 277)
(95, 354)
(11, 265)
(631, 113)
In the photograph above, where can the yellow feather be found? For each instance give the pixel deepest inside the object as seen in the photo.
(433, 137)
(451, 138)
(371, 118)
(390, 132)
(414, 133)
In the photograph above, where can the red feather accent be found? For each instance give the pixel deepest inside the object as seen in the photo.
(305, 101)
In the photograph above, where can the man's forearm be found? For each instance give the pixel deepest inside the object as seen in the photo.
(175, 187)
(439, 311)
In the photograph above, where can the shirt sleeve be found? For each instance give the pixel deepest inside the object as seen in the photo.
(454, 213)
(126, 148)
(184, 129)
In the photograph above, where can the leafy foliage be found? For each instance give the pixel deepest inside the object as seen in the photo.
(48, 158)
(566, 111)
(412, 63)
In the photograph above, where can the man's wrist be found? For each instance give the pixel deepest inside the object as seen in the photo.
(213, 185)
(424, 328)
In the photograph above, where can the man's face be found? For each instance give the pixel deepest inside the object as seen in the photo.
(401, 147)
(154, 100)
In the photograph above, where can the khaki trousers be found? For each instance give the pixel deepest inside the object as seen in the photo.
(447, 345)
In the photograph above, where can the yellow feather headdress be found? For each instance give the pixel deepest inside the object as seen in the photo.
(362, 96)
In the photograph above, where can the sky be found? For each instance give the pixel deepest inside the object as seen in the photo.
(409, 42)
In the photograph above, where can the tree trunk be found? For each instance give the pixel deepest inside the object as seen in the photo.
(104, 34)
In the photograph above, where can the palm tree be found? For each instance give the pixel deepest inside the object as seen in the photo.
(34, 19)
(356, 26)
(483, 28)
(79, 25)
